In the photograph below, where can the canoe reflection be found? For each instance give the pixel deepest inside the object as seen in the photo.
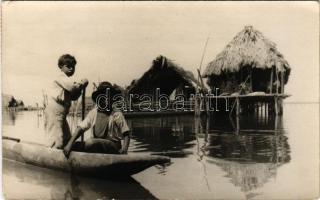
(49, 184)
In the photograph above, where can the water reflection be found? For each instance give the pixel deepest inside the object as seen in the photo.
(49, 184)
(260, 148)
(249, 157)
(248, 151)
(9, 117)
(246, 123)
(163, 135)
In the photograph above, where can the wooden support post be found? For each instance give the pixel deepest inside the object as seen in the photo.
(271, 81)
(267, 108)
(276, 105)
(207, 105)
(266, 113)
(276, 122)
(280, 101)
(251, 80)
(207, 128)
(282, 82)
(196, 106)
(277, 83)
(238, 106)
(238, 124)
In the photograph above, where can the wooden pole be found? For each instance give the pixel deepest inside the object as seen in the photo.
(276, 122)
(277, 83)
(201, 80)
(276, 108)
(238, 124)
(11, 138)
(83, 108)
(204, 51)
(207, 128)
(280, 102)
(238, 106)
(204, 90)
(251, 80)
(282, 82)
(266, 110)
(271, 81)
(238, 116)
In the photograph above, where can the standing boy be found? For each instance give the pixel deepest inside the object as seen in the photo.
(62, 91)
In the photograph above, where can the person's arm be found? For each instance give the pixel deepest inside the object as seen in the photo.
(74, 89)
(75, 136)
(123, 126)
(126, 142)
(81, 128)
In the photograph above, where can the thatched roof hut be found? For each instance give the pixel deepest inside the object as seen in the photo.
(250, 58)
(167, 76)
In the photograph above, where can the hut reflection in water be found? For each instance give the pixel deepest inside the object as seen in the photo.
(250, 158)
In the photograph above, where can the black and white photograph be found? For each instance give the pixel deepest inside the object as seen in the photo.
(160, 100)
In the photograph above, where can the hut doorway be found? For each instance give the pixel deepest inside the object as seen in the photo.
(260, 80)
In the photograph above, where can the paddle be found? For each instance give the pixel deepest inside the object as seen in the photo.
(172, 153)
(83, 107)
(11, 138)
(18, 140)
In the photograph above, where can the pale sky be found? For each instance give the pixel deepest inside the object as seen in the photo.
(117, 41)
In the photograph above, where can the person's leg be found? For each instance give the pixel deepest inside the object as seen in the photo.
(96, 145)
(47, 127)
(56, 125)
(66, 135)
(78, 146)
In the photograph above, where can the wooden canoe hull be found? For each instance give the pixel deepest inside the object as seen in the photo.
(91, 164)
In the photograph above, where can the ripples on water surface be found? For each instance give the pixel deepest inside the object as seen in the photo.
(210, 159)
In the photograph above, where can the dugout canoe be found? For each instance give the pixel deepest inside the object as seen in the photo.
(89, 164)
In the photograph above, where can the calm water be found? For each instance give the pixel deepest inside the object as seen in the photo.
(209, 159)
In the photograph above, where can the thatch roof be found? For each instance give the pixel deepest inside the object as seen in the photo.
(248, 48)
(164, 74)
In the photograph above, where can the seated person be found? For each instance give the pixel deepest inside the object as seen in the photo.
(108, 126)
